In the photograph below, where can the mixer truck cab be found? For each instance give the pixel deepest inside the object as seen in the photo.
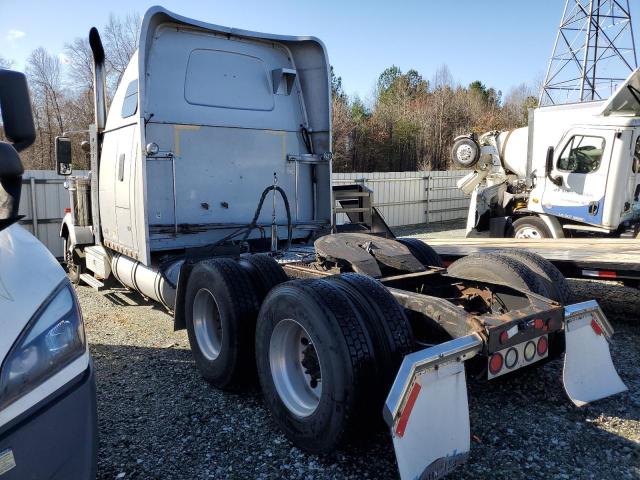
(574, 171)
(48, 426)
(210, 193)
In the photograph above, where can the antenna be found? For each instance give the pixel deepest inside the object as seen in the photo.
(593, 53)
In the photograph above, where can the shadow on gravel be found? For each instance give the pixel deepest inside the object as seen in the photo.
(158, 419)
(123, 297)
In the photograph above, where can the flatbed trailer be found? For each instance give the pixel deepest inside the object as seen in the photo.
(607, 259)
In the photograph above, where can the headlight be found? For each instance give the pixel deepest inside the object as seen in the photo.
(53, 338)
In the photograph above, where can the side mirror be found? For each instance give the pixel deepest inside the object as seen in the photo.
(15, 106)
(17, 121)
(549, 168)
(63, 155)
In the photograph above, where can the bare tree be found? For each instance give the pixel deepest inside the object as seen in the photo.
(43, 71)
(120, 41)
(80, 67)
(5, 62)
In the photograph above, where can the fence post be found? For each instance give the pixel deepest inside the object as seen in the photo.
(34, 206)
(427, 188)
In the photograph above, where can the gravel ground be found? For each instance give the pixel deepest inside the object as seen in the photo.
(158, 419)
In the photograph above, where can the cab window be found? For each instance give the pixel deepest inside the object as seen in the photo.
(130, 104)
(636, 157)
(581, 154)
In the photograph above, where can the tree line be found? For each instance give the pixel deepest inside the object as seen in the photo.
(409, 124)
(61, 88)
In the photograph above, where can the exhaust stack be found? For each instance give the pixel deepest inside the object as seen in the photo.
(99, 80)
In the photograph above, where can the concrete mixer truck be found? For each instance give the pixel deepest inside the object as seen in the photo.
(573, 171)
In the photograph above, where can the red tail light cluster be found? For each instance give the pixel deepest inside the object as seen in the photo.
(495, 363)
(543, 345)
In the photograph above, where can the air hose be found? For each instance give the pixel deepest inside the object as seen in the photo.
(254, 222)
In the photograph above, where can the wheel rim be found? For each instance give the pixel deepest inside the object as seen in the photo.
(528, 232)
(464, 153)
(206, 324)
(295, 368)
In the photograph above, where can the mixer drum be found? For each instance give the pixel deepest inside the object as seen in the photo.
(512, 146)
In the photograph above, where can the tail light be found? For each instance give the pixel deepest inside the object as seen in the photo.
(543, 345)
(529, 351)
(511, 358)
(538, 324)
(495, 364)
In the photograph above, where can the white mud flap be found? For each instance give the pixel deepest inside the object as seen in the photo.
(428, 412)
(589, 373)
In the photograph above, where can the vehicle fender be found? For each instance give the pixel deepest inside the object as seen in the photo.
(553, 224)
(179, 320)
(74, 234)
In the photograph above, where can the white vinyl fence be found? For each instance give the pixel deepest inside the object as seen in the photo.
(42, 203)
(403, 198)
(412, 198)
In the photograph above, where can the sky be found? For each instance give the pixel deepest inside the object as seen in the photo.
(503, 43)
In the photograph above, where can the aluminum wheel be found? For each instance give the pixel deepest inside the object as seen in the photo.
(206, 324)
(295, 368)
(528, 232)
(464, 153)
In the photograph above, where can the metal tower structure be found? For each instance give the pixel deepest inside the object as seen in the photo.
(593, 53)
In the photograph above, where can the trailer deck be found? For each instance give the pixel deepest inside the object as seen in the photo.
(603, 258)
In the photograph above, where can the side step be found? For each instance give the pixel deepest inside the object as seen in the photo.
(92, 281)
(356, 202)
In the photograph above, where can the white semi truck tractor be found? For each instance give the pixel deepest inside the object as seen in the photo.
(573, 171)
(210, 193)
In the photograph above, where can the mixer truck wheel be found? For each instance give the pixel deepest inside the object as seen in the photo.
(530, 228)
(425, 254)
(220, 311)
(465, 152)
(316, 364)
(265, 273)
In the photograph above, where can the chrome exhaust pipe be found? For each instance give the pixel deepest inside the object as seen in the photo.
(99, 80)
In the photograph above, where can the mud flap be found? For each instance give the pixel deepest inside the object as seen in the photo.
(589, 373)
(427, 409)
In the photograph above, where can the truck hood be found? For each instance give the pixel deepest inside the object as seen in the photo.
(28, 275)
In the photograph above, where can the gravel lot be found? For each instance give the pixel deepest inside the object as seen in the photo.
(158, 419)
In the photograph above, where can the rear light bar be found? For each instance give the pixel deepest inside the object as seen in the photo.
(518, 356)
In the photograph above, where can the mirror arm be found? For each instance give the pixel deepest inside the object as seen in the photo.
(549, 168)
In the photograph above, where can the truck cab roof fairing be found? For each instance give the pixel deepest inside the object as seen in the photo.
(309, 55)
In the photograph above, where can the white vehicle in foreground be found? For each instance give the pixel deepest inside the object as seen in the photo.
(48, 426)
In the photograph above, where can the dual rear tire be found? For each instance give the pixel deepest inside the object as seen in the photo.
(327, 352)
(222, 301)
